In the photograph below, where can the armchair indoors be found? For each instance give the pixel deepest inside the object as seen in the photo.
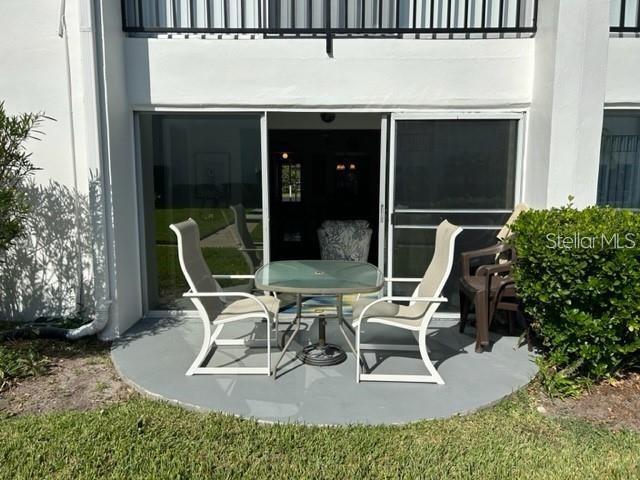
(208, 298)
(345, 240)
(414, 317)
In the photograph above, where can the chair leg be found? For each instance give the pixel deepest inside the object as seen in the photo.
(482, 322)
(367, 375)
(358, 366)
(269, 345)
(464, 310)
(211, 340)
(208, 342)
(424, 353)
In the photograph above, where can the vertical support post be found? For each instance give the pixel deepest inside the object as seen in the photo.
(192, 14)
(327, 26)
(140, 17)
(174, 12)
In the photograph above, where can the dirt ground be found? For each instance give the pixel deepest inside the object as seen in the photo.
(614, 404)
(78, 377)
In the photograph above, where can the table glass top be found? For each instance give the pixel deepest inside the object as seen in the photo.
(319, 276)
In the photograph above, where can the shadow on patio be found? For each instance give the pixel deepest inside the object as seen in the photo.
(155, 353)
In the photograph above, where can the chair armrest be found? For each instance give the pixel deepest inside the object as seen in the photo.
(231, 277)
(191, 294)
(491, 251)
(402, 299)
(493, 269)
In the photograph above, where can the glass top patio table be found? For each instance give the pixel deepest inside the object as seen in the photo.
(337, 277)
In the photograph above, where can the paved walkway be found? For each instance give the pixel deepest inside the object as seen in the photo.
(225, 237)
(155, 353)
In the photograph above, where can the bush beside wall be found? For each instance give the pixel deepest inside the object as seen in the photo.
(578, 273)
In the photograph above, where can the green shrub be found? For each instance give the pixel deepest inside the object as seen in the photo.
(578, 274)
(15, 168)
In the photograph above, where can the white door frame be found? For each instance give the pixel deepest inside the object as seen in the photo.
(266, 218)
(520, 116)
(382, 212)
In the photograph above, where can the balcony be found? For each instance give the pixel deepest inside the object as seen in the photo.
(333, 18)
(625, 17)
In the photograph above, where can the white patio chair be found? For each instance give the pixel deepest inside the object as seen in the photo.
(415, 317)
(207, 296)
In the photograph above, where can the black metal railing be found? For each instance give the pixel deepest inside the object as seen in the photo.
(625, 16)
(331, 18)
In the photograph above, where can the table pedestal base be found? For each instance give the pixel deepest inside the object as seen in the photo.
(322, 354)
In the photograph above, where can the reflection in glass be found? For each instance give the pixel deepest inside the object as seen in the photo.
(448, 165)
(198, 166)
(619, 176)
(413, 250)
(455, 164)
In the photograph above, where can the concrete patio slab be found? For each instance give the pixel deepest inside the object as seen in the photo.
(154, 355)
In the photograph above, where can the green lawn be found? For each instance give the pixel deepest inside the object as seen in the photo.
(147, 439)
(210, 220)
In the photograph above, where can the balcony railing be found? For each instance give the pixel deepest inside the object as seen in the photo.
(331, 18)
(338, 17)
(625, 16)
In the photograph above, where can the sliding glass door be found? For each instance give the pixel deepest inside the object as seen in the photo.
(199, 166)
(463, 170)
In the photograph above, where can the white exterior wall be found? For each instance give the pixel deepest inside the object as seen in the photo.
(623, 73)
(568, 101)
(33, 78)
(296, 73)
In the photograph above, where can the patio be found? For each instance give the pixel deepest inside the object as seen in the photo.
(154, 355)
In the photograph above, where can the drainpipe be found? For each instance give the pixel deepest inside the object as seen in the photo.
(101, 246)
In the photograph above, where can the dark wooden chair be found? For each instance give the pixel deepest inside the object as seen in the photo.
(507, 299)
(485, 275)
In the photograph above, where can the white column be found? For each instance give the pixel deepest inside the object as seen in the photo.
(568, 102)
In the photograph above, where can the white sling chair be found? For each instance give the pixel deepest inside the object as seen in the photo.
(207, 296)
(415, 317)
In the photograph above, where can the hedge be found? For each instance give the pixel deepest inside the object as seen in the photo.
(578, 274)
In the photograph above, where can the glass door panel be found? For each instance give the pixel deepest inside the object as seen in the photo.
(199, 166)
(460, 170)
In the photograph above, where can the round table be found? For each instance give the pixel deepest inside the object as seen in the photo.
(307, 278)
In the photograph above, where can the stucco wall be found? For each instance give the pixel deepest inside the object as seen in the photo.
(33, 78)
(297, 73)
(623, 72)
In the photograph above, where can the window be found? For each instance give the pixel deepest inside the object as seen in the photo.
(619, 176)
(198, 166)
(290, 181)
(460, 170)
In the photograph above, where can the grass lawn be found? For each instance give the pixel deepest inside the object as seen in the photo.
(210, 220)
(146, 439)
